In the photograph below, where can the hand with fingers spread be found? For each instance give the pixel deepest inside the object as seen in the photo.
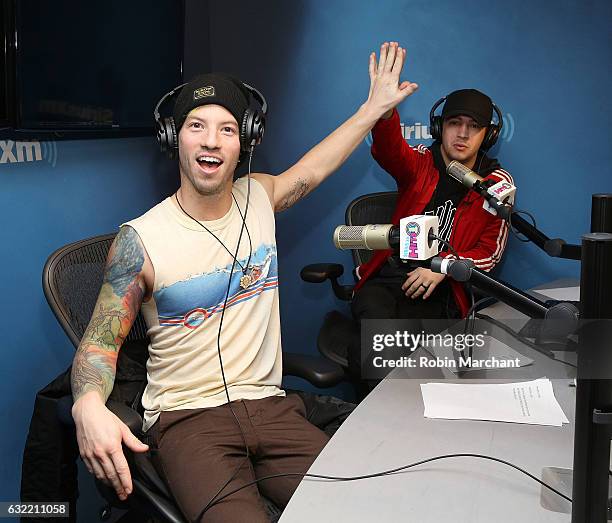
(386, 91)
(421, 282)
(99, 435)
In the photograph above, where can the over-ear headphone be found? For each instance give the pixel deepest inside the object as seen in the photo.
(252, 126)
(493, 130)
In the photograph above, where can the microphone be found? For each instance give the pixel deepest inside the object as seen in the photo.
(458, 270)
(499, 196)
(414, 238)
(464, 270)
(368, 237)
(564, 315)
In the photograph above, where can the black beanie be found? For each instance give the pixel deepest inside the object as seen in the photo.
(211, 88)
(469, 102)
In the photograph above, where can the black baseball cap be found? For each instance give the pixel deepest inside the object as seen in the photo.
(469, 102)
(211, 88)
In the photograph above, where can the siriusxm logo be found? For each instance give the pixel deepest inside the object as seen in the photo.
(507, 131)
(28, 151)
(419, 131)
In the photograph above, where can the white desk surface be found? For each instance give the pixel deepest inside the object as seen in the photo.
(388, 430)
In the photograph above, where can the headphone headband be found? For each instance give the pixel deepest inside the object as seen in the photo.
(435, 106)
(257, 96)
(163, 99)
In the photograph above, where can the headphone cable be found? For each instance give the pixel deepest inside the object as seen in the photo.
(214, 499)
(515, 233)
(399, 469)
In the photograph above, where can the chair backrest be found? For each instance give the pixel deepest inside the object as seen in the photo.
(370, 208)
(72, 279)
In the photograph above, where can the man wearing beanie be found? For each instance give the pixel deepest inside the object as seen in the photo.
(202, 268)
(387, 287)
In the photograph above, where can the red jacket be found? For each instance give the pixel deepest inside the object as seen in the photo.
(477, 234)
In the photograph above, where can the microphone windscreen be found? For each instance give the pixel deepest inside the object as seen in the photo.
(370, 237)
(436, 264)
(347, 236)
(462, 174)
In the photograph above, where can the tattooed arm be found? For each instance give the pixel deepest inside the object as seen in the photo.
(323, 159)
(99, 432)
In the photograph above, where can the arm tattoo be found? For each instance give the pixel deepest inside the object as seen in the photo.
(299, 189)
(116, 309)
(126, 262)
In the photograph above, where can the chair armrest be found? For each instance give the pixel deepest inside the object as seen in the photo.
(126, 414)
(164, 508)
(317, 371)
(319, 272)
(147, 483)
(129, 416)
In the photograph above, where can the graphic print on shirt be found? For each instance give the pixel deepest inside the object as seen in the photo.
(188, 303)
(445, 214)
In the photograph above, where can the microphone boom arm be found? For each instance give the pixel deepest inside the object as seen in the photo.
(555, 247)
(464, 270)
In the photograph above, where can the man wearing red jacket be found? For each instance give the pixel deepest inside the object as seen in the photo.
(464, 132)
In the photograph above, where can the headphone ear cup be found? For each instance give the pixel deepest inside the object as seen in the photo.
(245, 134)
(435, 122)
(166, 137)
(252, 129)
(172, 137)
(161, 135)
(435, 128)
(491, 137)
(259, 126)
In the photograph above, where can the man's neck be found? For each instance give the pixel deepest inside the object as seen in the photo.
(205, 207)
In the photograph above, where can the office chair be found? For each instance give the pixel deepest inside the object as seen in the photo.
(72, 278)
(337, 329)
(335, 334)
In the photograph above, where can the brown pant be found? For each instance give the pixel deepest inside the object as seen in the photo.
(197, 451)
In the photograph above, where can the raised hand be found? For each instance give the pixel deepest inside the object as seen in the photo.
(386, 91)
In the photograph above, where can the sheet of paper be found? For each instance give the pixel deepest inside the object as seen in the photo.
(529, 402)
(565, 293)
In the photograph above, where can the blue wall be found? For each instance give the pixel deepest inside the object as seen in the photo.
(76, 190)
(544, 63)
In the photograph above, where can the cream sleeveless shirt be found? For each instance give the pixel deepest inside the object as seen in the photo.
(192, 272)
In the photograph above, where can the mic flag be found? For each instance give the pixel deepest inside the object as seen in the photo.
(413, 238)
(499, 197)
